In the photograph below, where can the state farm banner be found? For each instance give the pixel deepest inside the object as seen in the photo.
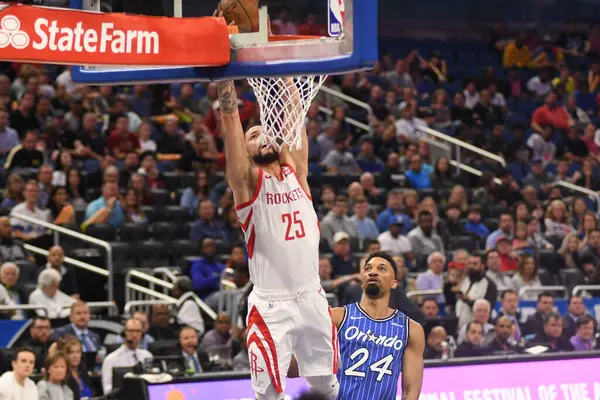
(63, 36)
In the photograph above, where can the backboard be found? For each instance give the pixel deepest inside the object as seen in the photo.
(349, 43)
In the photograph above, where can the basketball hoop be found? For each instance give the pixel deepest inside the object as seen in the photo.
(284, 103)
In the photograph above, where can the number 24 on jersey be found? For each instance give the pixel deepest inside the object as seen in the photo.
(294, 226)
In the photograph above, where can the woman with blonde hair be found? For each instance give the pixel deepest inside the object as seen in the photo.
(440, 110)
(589, 222)
(410, 200)
(458, 196)
(13, 191)
(77, 379)
(569, 251)
(557, 220)
(54, 385)
(526, 276)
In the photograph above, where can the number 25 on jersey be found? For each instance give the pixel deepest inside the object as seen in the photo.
(294, 227)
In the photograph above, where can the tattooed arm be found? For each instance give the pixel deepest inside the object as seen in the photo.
(412, 362)
(238, 170)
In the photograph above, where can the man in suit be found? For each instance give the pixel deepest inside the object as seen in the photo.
(575, 309)
(40, 340)
(535, 323)
(551, 336)
(196, 359)
(80, 317)
(502, 343)
(510, 309)
(471, 346)
(160, 329)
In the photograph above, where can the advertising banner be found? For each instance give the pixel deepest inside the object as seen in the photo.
(63, 36)
(576, 379)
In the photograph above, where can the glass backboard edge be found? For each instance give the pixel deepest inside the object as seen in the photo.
(364, 56)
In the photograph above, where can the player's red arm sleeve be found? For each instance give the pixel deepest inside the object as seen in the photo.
(412, 362)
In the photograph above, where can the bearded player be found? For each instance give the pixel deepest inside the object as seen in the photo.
(377, 343)
(288, 312)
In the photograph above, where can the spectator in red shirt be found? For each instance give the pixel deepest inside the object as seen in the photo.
(508, 260)
(550, 114)
(121, 141)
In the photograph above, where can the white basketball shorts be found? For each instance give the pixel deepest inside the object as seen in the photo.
(284, 323)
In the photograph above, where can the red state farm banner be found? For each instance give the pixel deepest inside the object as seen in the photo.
(63, 36)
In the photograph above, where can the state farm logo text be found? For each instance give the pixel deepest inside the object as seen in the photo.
(51, 35)
(11, 33)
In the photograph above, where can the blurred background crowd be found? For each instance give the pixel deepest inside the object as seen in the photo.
(142, 167)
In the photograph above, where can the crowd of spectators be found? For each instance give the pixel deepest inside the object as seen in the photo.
(145, 163)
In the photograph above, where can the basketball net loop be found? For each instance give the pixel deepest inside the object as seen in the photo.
(284, 103)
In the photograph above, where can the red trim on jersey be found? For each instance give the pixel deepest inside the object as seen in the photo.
(244, 225)
(256, 192)
(254, 318)
(334, 344)
(250, 243)
(298, 180)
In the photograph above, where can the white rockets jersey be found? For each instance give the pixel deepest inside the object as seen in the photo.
(282, 233)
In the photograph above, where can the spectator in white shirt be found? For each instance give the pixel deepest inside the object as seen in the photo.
(128, 355)
(433, 278)
(393, 241)
(145, 135)
(48, 295)
(284, 25)
(541, 145)
(541, 84)
(16, 384)
(408, 123)
(471, 95)
(25, 230)
(188, 311)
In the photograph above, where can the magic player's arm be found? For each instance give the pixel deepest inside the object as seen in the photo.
(296, 158)
(238, 170)
(337, 316)
(412, 362)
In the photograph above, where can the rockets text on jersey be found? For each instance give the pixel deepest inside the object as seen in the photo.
(371, 353)
(282, 233)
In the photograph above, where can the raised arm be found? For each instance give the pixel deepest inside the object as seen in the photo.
(238, 170)
(297, 158)
(412, 362)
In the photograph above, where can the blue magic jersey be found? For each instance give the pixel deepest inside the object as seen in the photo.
(371, 353)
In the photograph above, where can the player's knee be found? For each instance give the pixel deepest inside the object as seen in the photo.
(327, 385)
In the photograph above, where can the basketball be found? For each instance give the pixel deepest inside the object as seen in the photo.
(243, 12)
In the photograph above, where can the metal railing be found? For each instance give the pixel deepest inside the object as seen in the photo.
(166, 272)
(25, 307)
(461, 145)
(581, 189)
(84, 238)
(539, 289)
(471, 170)
(69, 261)
(579, 289)
(137, 292)
(145, 303)
(134, 291)
(101, 304)
(351, 121)
(427, 292)
(329, 92)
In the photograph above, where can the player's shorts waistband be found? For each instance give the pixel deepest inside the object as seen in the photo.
(282, 295)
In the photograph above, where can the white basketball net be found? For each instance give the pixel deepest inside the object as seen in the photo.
(284, 103)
